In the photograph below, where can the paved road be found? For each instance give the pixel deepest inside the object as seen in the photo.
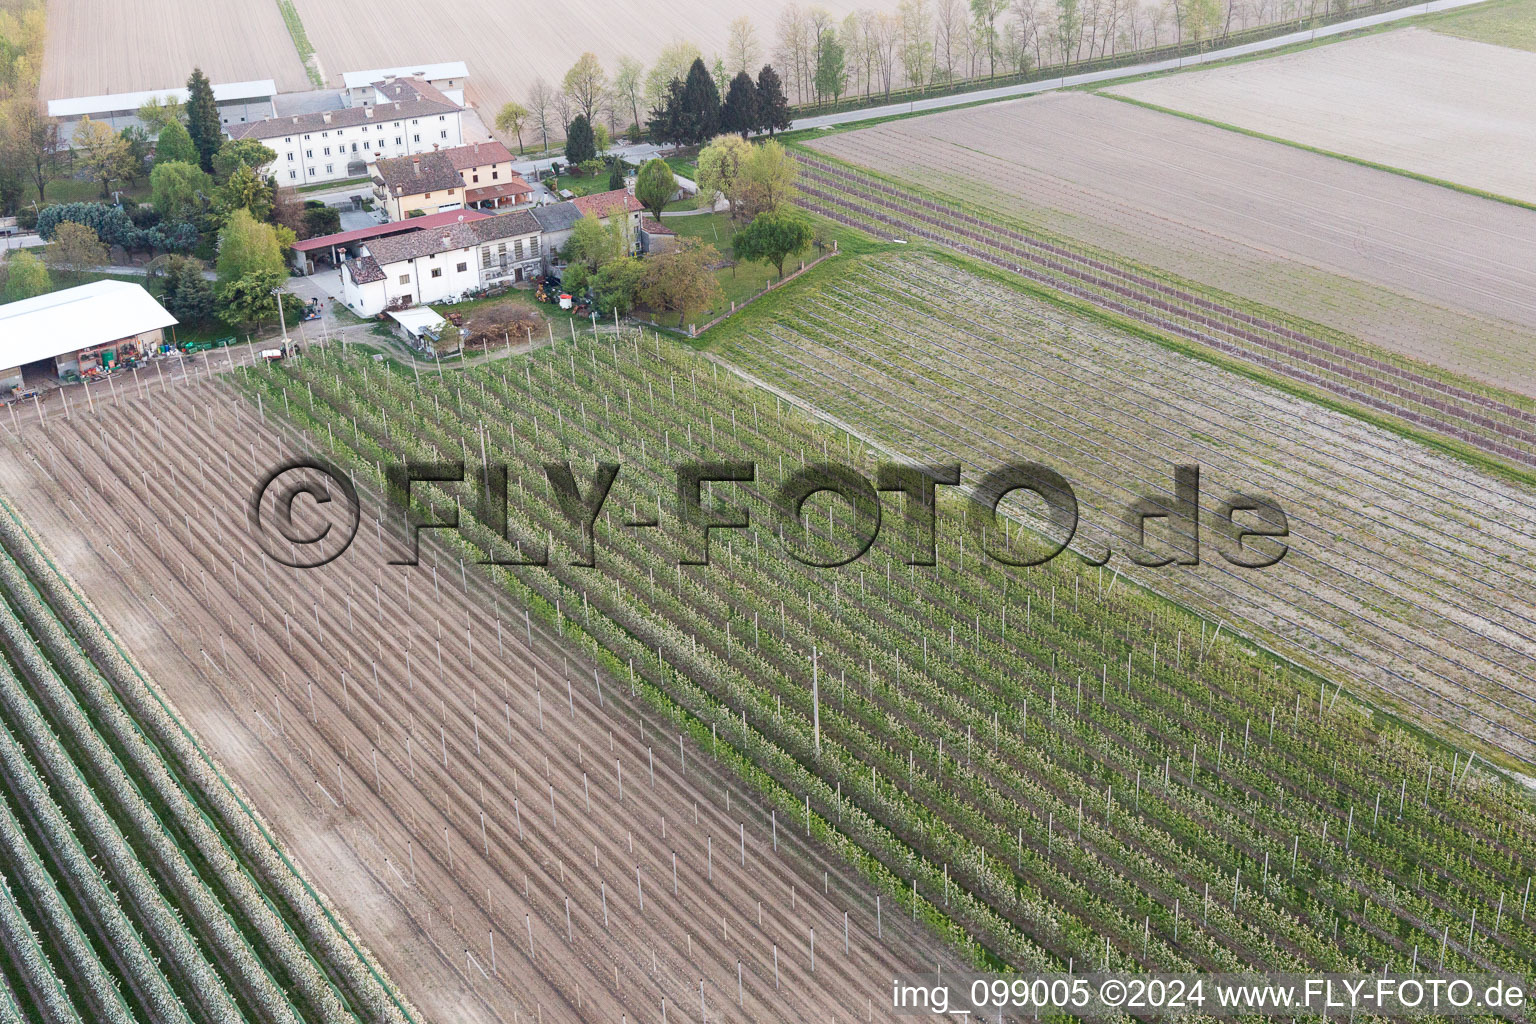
(1068, 81)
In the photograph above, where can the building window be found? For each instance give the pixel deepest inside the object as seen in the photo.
(426, 195)
(288, 139)
(306, 138)
(495, 175)
(416, 138)
(517, 249)
(485, 257)
(311, 172)
(437, 271)
(443, 133)
(309, 154)
(397, 140)
(533, 246)
(405, 278)
(442, 117)
(293, 174)
(475, 178)
(463, 267)
(290, 158)
(327, 150)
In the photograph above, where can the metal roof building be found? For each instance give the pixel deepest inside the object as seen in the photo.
(80, 328)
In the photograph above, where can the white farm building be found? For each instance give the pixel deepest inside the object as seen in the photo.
(92, 327)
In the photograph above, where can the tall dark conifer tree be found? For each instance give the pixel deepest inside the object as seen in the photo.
(203, 118)
(772, 104)
(739, 112)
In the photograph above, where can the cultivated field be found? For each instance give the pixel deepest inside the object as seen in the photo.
(508, 46)
(1036, 758)
(1413, 99)
(442, 833)
(1451, 283)
(127, 45)
(1504, 22)
(1407, 572)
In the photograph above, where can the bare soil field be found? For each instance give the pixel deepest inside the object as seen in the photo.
(1404, 569)
(1419, 100)
(507, 46)
(534, 852)
(96, 48)
(1410, 267)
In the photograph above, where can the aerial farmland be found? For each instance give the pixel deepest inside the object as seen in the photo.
(806, 559)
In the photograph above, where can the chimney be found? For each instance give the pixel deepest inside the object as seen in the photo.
(447, 241)
(368, 112)
(434, 147)
(327, 116)
(477, 149)
(295, 120)
(416, 166)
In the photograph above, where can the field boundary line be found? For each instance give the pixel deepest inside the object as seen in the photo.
(1427, 179)
(261, 827)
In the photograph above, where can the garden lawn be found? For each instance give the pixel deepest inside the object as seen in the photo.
(738, 283)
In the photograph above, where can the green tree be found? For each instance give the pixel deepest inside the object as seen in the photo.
(584, 84)
(157, 114)
(772, 104)
(615, 175)
(739, 112)
(628, 86)
(30, 139)
(511, 118)
(243, 191)
(766, 180)
(655, 186)
(680, 281)
(600, 139)
(175, 146)
(247, 246)
(250, 270)
(75, 249)
(321, 220)
(984, 14)
(579, 144)
(720, 167)
(236, 153)
(26, 276)
(102, 152)
(831, 69)
(614, 286)
(174, 189)
(203, 119)
(700, 115)
(188, 295)
(773, 237)
(593, 244)
(136, 142)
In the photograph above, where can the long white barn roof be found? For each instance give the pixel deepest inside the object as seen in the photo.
(429, 72)
(66, 321)
(231, 91)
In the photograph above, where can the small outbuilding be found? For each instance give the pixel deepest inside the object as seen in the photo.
(425, 330)
(90, 329)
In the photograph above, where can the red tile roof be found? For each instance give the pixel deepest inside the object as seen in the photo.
(417, 175)
(515, 186)
(478, 154)
(435, 220)
(604, 204)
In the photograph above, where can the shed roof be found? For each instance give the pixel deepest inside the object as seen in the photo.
(75, 318)
(478, 154)
(229, 92)
(418, 319)
(557, 216)
(430, 72)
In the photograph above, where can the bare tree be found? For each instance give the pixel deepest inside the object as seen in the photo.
(628, 85)
(794, 48)
(741, 47)
(916, 50)
(584, 84)
(541, 105)
(886, 35)
(949, 17)
(565, 110)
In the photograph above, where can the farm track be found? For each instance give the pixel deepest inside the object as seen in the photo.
(453, 409)
(866, 202)
(330, 645)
